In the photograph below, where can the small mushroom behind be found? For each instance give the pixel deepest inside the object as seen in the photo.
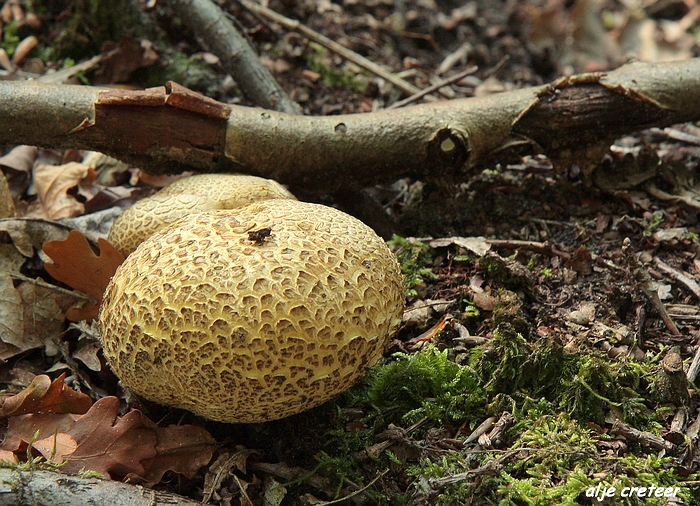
(186, 196)
(254, 314)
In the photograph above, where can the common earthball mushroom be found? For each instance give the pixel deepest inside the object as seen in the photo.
(253, 314)
(186, 196)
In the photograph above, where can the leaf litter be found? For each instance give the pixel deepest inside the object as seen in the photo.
(529, 314)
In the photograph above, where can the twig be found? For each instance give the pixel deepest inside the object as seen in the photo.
(538, 247)
(492, 467)
(49, 286)
(694, 368)
(434, 87)
(679, 276)
(63, 75)
(483, 428)
(356, 492)
(646, 439)
(50, 487)
(237, 57)
(449, 81)
(294, 25)
(645, 282)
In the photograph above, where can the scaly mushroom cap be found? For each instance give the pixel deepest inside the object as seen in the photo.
(186, 196)
(252, 315)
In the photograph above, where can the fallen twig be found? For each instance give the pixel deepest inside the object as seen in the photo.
(492, 468)
(694, 367)
(644, 438)
(51, 487)
(678, 276)
(645, 282)
(434, 87)
(237, 58)
(296, 26)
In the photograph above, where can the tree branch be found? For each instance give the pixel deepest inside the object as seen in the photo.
(219, 36)
(39, 487)
(171, 129)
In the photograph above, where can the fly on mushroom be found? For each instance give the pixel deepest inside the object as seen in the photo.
(258, 237)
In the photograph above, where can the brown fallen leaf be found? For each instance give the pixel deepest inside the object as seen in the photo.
(77, 265)
(43, 313)
(110, 445)
(7, 205)
(120, 60)
(181, 448)
(52, 183)
(11, 322)
(20, 158)
(55, 447)
(46, 396)
(581, 261)
(101, 441)
(30, 235)
(8, 456)
(22, 429)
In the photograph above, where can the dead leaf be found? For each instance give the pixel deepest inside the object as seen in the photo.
(11, 260)
(56, 447)
(11, 323)
(46, 396)
(181, 448)
(223, 467)
(110, 445)
(28, 234)
(27, 399)
(120, 60)
(24, 48)
(8, 456)
(43, 312)
(87, 354)
(52, 183)
(476, 245)
(20, 158)
(22, 428)
(581, 261)
(77, 265)
(7, 205)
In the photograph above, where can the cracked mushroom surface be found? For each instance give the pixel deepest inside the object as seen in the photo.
(185, 196)
(252, 315)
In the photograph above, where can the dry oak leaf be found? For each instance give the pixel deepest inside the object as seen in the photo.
(55, 447)
(45, 396)
(31, 316)
(52, 183)
(8, 456)
(77, 265)
(11, 322)
(181, 448)
(112, 446)
(43, 313)
(22, 429)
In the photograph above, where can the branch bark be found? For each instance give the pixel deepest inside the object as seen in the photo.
(51, 488)
(169, 130)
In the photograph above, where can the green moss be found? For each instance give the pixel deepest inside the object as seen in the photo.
(426, 384)
(319, 61)
(190, 72)
(507, 273)
(10, 38)
(415, 258)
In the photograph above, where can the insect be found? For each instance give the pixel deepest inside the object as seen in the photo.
(259, 236)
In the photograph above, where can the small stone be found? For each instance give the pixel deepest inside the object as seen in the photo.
(579, 317)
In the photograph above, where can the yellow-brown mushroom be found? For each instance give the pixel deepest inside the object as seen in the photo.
(185, 196)
(253, 314)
